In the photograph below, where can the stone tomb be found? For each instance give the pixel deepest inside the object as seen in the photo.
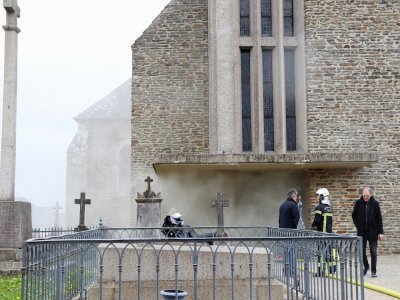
(148, 257)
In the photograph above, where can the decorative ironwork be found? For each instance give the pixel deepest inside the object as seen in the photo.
(88, 264)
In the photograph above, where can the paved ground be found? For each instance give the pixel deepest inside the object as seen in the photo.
(388, 271)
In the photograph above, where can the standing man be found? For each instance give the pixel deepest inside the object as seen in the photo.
(289, 214)
(323, 219)
(367, 218)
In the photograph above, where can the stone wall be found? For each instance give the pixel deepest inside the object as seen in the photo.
(170, 72)
(352, 58)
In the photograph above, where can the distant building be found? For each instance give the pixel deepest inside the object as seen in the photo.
(98, 161)
(253, 97)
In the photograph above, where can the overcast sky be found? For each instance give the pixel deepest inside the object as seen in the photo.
(71, 54)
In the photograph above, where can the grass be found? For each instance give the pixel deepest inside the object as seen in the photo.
(10, 287)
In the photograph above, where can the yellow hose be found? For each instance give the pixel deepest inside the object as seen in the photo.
(373, 287)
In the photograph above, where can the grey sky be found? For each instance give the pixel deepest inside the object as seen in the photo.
(71, 54)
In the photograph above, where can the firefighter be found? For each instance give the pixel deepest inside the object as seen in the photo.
(323, 219)
(323, 212)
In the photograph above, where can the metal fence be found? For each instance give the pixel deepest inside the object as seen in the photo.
(53, 231)
(242, 263)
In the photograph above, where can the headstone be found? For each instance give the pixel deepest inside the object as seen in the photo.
(220, 203)
(148, 211)
(82, 201)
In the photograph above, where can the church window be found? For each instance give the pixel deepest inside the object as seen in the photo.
(273, 112)
(244, 17)
(246, 99)
(266, 18)
(290, 100)
(288, 17)
(268, 100)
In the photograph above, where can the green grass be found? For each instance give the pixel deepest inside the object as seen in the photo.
(10, 287)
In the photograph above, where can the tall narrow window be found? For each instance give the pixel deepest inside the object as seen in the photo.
(244, 17)
(288, 17)
(290, 100)
(268, 100)
(246, 99)
(266, 18)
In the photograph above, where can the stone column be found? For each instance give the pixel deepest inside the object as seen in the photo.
(149, 211)
(7, 167)
(15, 217)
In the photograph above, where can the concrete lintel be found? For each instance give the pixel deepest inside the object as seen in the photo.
(253, 162)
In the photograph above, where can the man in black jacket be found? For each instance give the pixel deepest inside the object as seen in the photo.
(289, 214)
(367, 218)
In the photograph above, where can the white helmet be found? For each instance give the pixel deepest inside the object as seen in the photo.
(176, 219)
(323, 195)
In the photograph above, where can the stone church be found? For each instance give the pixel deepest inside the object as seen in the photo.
(253, 97)
(98, 161)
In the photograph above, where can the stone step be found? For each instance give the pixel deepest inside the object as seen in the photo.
(10, 267)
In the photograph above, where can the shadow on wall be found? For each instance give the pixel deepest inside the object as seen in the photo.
(254, 197)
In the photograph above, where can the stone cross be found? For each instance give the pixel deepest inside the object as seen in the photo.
(56, 209)
(8, 137)
(82, 202)
(149, 193)
(220, 203)
(148, 180)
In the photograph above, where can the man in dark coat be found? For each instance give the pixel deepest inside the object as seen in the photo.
(289, 214)
(367, 218)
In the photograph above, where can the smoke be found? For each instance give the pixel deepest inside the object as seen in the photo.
(254, 197)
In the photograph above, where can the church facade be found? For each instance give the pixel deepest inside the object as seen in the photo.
(253, 97)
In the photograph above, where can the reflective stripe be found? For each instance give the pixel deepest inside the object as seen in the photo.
(325, 216)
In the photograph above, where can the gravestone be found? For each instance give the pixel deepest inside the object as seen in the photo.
(82, 201)
(220, 203)
(149, 210)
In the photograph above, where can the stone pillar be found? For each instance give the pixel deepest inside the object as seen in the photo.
(224, 69)
(149, 211)
(7, 166)
(15, 217)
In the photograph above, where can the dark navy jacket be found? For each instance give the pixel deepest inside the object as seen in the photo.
(367, 218)
(289, 214)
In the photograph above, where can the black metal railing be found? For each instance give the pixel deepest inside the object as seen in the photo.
(242, 263)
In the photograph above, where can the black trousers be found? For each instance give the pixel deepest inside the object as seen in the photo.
(373, 246)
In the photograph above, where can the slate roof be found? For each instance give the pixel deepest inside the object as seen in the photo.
(116, 105)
